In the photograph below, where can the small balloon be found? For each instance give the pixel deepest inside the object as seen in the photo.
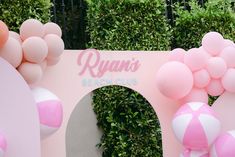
(35, 49)
(215, 88)
(216, 67)
(201, 78)
(213, 43)
(32, 73)
(15, 36)
(228, 81)
(31, 27)
(228, 42)
(12, 52)
(196, 95)
(228, 54)
(177, 55)
(4, 33)
(173, 72)
(55, 45)
(52, 28)
(43, 65)
(52, 61)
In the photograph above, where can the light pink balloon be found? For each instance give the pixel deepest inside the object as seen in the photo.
(216, 67)
(52, 61)
(12, 52)
(228, 42)
(174, 80)
(228, 81)
(32, 73)
(195, 59)
(196, 95)
(55, 45)
(228, 54)
(213, 43)
(215, 88)
(52, 28)
(15, 36)
(177, 55)
(35, 49)
(201, 78)
(43, 65)
(31, 27)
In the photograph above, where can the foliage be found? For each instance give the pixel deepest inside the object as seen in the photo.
(15, 12)
(191, 25)
(128, 25)
(129, 123)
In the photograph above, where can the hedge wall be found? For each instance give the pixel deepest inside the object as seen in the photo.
(190, 26)
(131, 128)
(14, 12)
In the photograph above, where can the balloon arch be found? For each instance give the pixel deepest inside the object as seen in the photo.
(177, 85)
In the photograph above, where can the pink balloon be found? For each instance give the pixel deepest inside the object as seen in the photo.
(177, 55)
(201, 78)
(174, 80)
(215, 88)
(213, 43)
(52, 28)
(216, 67)
(55, 45)
(15, 36)
(228, 54)
(35, 49)
(224, 145)
(52, 61)
(228, 42)
(195, 59)
(228, 81)
(12, 52)
(32, 73)
(43, 65)
(31, 27)
(196, 95)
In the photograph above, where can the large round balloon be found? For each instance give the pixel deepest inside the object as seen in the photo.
(174, 80)
(4, 33)
(55, 45)
(31, 27)
(50, 111)
(224, 145)
(3, 145)
(196, 126)
(192, 153)
(52, 28)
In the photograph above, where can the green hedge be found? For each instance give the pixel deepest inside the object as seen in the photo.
(190, 26)
(131, 127)
(14, 12)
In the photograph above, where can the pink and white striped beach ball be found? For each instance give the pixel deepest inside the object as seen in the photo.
(50, 111)
(191, 153)
(3, 145)
(196, 125)
(224, 145)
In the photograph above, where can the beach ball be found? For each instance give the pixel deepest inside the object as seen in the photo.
(224, 145)
(3, 145)
(196, 125)
(192, 153)
(50, 111)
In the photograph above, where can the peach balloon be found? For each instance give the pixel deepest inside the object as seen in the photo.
(55, 45)
(195, 59)
(52, 61)
(196, 95)
(215, 88)
(12, 52)
(177, 55)
(216, 67)
(31, 27)
(15, 36)
(213, 43)
(201, 78)
(35, 49)
(52, 28)
(228, 54)
(4, 33)
(228, 81)
(174, 80)
(32, 73)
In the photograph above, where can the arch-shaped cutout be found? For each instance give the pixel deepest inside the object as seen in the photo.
(83, 134)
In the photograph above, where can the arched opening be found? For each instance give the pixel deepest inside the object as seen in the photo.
(113, 121)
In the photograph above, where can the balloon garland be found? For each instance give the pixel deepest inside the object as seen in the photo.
(189, 77)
